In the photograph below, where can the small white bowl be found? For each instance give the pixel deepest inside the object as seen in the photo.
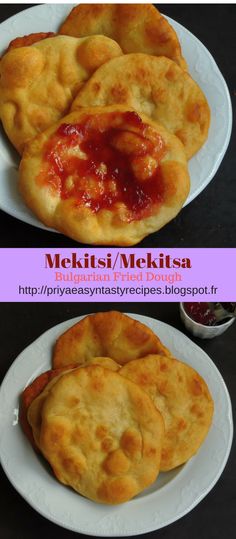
(200, 330)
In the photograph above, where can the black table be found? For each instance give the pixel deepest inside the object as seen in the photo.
(210, 220)
(213, 518)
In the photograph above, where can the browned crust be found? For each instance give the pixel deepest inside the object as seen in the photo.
(182, 397)
(136, 27)
(30, 393)
(30, 39)
(128, 337)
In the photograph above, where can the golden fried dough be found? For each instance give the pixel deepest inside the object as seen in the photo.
(183, 399)
(157, 87)
(29, 395)
(38, 83)
(33, 397)
(105, 176)
(105, 362)
(111, 333)
(34, 413)
(136, 27)
(101, 434)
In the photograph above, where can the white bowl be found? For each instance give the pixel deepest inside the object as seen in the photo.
(200, 330)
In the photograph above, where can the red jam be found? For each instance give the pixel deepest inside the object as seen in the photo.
(132, 118)
(201, 313)
(110, 171)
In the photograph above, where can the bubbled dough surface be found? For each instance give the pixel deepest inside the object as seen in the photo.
(107, 226)
(113, 334)
(34, 414)
(183, 399)
(38, 83)
(101, 434)
(157, 87)
(136, 27)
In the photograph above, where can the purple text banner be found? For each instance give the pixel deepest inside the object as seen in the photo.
(105, 275)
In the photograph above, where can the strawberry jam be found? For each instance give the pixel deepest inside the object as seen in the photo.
(201, 313)
(105, 160)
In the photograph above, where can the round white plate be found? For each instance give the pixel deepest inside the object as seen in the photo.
(202, 67)
(174, 493)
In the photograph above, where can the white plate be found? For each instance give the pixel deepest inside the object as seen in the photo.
(173, 495)
(202, 67)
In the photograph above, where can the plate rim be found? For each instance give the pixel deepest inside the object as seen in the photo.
(29, 217)
(230, 112)
(63, 326)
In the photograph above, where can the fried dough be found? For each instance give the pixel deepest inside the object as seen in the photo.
(183, 399)
(30, 393)
(34, 412)
(101, 434)
(105, 176)
(38, 83)
(136, 27)
(112, 334)
(155, 86)
(105, 362)
(30, 39)
(34, 395)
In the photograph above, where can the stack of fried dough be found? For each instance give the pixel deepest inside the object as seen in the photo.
(116, 409)
(105, 117)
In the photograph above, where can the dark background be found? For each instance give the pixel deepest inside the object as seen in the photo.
(213, 518)
(210, 220)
